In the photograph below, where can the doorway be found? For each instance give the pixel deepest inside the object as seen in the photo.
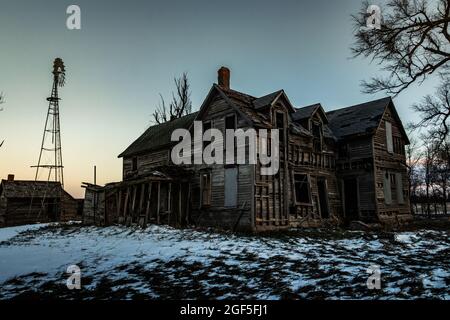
(323, 198)
(351, 200)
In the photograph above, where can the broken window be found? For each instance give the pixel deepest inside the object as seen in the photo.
(302, 189)
(398, 146)
(399, 185)
(280, 125)
(230, 122)
(389, 143)
(387, 188)
(316, 129)
(343, 150)
(205, 185)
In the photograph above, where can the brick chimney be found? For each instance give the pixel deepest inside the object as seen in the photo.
(10, 177)
(223, 77)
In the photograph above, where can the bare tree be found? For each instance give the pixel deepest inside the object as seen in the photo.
(442, 171)
(413, 159)
(180, 104)
(428, 166)
(412, 43)
(434, 113)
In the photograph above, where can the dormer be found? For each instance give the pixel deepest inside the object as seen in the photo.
(313, 119)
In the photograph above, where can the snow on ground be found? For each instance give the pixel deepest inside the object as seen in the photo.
(161, 262)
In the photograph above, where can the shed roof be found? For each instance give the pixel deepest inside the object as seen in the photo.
(158, 136)
(30, 189)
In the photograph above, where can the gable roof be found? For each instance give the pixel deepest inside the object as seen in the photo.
(305, 112)
(360, 119)
(266, 100)
(31, 189)
(158, 136)
(308, 111)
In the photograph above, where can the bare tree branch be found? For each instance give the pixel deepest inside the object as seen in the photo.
(434, 113)
(412, 43)
(180, 104)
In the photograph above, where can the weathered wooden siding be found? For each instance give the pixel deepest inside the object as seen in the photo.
(390, 163)
(355, 160)
(145, 162)
(217, 215)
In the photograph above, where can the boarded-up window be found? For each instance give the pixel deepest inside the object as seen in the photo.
(399, 185)
(389, 143)
(231, 176)
(302, 190)
(205, 184)
(387, 188)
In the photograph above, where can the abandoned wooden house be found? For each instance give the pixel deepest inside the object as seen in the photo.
(335, 167)
(24, 202)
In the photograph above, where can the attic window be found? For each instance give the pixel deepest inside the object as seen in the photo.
(230, 122)
(280, 120)
(389, 142)
(316, 129)
(280, 124)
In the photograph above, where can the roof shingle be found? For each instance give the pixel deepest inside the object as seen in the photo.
(359, 119)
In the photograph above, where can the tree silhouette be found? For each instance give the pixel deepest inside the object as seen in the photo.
(434, 113)
(412, 43)
(180, 104)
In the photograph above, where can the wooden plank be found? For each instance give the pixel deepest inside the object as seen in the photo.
(125, 206)
(158, 204)
(169, 202)
(141, 200)
(180, 209)
(147, 210)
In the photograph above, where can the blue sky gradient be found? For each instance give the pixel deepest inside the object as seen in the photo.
(126, 53)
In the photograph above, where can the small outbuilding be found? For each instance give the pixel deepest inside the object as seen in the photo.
(26, 201)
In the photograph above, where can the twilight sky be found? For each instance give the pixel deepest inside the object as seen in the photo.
(127, 52)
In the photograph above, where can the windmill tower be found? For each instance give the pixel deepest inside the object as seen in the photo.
(50, 156)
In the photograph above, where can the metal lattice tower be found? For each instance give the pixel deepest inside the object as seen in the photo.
(50, 156)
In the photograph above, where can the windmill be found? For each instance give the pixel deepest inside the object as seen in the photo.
(50, 156)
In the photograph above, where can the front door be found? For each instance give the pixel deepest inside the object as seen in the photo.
(323, 198)
(351, 199)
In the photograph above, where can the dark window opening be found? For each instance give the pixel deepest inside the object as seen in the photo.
(205, 185)
(343, 151)
(316, 129)
(302, 189)
(230, 122)
(280, 125)
(134, 164)
(399, 148)
(280, 120)
(206, 126)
